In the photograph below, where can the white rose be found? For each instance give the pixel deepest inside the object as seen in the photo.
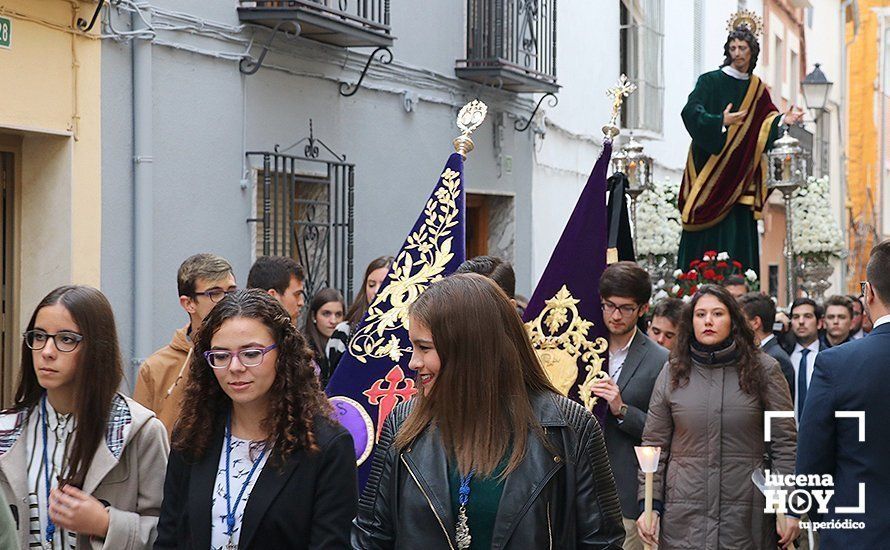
(751, 275)
(676, 288)
(677, 273)
(722, 257)
(687, 299)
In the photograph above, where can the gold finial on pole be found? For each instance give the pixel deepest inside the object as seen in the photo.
(623, 89)
(469, 118)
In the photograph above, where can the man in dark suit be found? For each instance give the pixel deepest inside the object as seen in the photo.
(760, 312)
(854, 377)
(634, 363)
(806, 322)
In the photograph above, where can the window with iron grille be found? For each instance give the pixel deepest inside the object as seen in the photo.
(304, 210)
(642, 60)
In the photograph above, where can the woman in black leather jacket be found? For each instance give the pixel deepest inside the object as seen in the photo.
(488, 455)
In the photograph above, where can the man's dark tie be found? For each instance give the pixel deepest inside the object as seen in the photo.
(802, 382)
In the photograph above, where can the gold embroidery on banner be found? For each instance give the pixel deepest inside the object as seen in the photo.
(559, 336)
(420, 263)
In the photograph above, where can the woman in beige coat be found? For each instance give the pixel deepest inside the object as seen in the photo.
(707, 415)
(81, 466)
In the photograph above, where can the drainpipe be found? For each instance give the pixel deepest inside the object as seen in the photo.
(143, 256)
(843, 121)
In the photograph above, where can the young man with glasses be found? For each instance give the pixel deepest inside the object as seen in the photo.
(634, 363)
(202, 281)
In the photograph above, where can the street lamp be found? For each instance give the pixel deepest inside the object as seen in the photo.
(637, 166)
(787, 171)
(816, 87)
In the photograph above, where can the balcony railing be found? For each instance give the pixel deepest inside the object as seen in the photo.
(345, 23)
(511, 44)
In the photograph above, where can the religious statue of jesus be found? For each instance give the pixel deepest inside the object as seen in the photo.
(732, 121)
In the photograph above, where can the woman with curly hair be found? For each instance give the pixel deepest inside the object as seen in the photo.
(489, 454)
(81, 466)
(707, 415)
(257, 461)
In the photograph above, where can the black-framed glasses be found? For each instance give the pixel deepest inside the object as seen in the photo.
(248, 357)
(65, 341)
(216, 294)
(626, 310)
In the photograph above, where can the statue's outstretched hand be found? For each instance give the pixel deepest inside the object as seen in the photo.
(731, 119)
(793, 115)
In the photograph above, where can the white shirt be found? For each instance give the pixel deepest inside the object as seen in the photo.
(811, 362)
(618, 357)
(59, 439)
(766, 340)
(242, 461)
(860, 334)
(881, 321)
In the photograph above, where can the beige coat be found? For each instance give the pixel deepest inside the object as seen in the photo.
(160, 385)
(711, 436)
(126, 475)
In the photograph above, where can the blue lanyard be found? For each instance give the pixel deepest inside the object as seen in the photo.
(462, 530)
(50, 526)
(464, 491)
(230, 513)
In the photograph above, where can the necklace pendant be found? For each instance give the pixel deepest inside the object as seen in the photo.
(462, 530)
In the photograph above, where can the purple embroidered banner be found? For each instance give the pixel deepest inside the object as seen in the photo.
(564, 317)
(373, 374)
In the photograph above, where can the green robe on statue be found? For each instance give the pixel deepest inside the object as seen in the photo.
(736, 233)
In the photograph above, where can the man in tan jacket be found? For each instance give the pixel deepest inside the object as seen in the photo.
(202, 281)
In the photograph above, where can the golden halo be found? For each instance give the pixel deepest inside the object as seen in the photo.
(745, 19)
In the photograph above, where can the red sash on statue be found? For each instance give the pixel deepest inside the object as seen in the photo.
(737, 175)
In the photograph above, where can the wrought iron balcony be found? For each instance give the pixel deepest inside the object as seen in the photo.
(345, 23)
(511, 44)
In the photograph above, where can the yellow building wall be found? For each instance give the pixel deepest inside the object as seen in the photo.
(51, 100)
(863, 165)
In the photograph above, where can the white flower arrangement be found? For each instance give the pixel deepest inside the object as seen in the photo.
(658, 220)
(815, 231)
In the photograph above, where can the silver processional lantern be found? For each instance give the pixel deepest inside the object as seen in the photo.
(787, 172)
(637, 166)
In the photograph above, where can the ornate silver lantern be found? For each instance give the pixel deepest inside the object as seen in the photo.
(637, 166)
(787, 172)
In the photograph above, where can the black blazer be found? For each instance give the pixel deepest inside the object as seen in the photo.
(644, 362)
(852, 377)
(309, 503)
(774, 349)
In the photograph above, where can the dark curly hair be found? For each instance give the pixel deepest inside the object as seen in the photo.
(751, 375)
(747, 36)
(296, 398)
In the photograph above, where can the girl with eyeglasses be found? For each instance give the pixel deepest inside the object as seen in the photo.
(257, 460)
(81, 465)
